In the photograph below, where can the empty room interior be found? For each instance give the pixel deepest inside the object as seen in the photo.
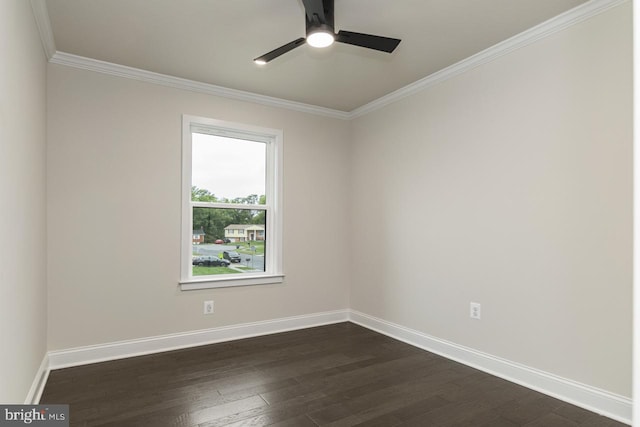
(441, 234)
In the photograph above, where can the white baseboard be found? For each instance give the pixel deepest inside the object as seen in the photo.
(137, 347)
(33, 397)
(593, 399)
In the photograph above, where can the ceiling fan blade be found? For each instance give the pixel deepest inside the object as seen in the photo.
(314, 7)
(279, 51)
(384, 44)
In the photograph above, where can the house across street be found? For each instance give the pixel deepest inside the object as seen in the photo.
(244, 232)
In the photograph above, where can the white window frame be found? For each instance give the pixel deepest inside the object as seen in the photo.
(273, 246)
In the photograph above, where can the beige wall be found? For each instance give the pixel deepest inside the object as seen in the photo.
(23, 309)
(113, 173)
(511, 186)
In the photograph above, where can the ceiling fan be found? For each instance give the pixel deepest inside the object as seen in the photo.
(321, 33)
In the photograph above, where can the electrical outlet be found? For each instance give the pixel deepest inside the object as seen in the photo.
(208, 307)
(474, 310)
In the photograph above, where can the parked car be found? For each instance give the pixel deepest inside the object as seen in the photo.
(219, 242)
(232, 256)
(210, 261)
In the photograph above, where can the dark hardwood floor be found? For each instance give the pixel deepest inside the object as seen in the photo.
(337, 375)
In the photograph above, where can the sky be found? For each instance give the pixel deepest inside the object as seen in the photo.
(228, 167)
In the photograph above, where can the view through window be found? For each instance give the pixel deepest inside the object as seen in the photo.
(229, 205)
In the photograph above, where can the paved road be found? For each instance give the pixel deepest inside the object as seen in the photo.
(255, 262)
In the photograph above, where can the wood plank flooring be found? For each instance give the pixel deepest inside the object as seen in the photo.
(337, 375)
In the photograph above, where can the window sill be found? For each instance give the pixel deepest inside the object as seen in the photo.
(227, 282)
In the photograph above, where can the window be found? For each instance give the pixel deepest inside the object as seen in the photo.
(231, 182)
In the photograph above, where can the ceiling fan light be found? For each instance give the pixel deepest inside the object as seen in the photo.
(320, 39)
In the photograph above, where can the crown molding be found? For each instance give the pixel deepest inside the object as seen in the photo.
(109, 68)
(530, 36)
(41, 14)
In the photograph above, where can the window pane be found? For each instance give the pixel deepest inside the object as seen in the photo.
(227, 170)
(229, 241)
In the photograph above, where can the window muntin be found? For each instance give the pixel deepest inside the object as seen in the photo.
(231, 188)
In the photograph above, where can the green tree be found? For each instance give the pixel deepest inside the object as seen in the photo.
(260, 217)
(213, 220)
(202, 195)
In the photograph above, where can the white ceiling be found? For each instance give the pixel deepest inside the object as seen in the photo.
(215, 41)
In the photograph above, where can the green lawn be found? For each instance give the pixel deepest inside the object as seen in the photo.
(208, 271)
(245, 247)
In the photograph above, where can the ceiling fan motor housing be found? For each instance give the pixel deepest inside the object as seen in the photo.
(324, 23)
(321, 33)
(319, 28)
